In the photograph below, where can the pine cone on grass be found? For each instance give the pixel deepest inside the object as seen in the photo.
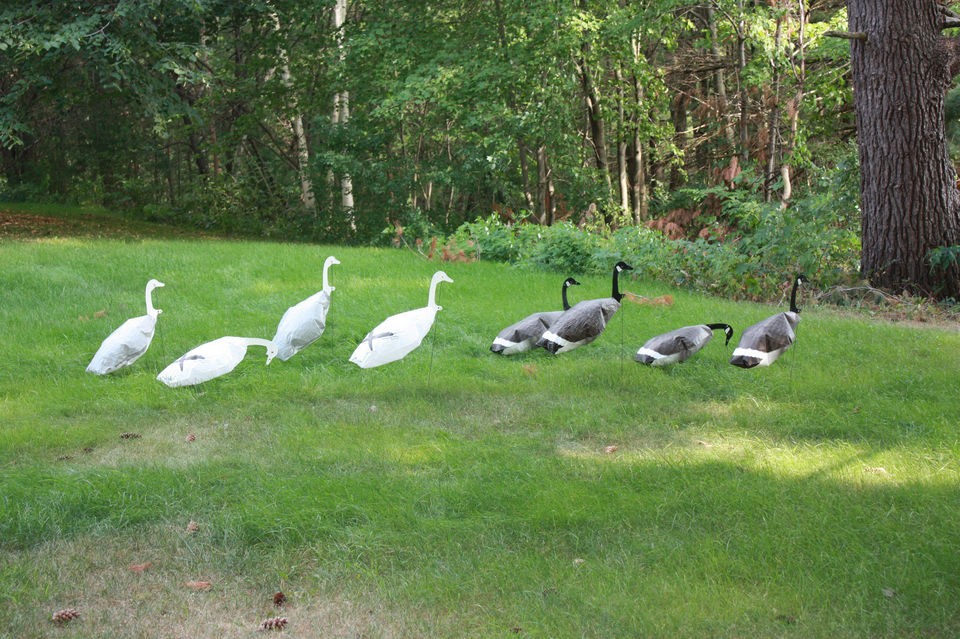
(279, 599)
(274, 623)
(65, 615)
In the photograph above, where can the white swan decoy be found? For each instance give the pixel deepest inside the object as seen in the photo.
(303, 323)
(396, 336)
(129, 341)
(211, 360)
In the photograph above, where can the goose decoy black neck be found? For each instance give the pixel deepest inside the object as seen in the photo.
(621, 266)
(793, 294)
(727, 330)
(567, 283)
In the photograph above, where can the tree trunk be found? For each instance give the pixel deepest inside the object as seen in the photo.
(341, 113)
(909, 198)
(300, 137)
(591, 99)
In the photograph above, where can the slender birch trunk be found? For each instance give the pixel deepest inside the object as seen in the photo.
(341, 113)
(303, 150)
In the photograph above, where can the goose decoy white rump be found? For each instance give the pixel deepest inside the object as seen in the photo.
(303, 323)
(523, 335)
(679, 345)
(584, 322)
(129, 341)
(765, 341)
(213, 359)
(398, 335)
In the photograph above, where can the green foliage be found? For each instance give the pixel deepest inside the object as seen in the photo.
(817, 235)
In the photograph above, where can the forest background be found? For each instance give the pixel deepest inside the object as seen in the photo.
(712, 143)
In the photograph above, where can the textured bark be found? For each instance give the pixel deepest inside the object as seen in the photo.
(909, 198)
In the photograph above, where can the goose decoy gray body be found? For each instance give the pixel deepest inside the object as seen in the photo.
(765, 341)
(303, 323)
(523, 335)
(212, 359)
(584, 322)
(396, 336)
(679, 345)
(129, 341)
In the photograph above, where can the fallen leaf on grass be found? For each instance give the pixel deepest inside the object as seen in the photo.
(579, 562)
(191, 437)
(193, 527)
(139, 568)
(101, 313)
(274, 623)
(889, 593)
(700, 442)
(662, 300)
(279, 598)
(878, 470)
(611, 449)
(529, 369)
(199, 585)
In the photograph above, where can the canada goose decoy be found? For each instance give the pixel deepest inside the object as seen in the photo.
(584, 322)
(679, 345)
(213, 359)
(396, 336)
(521, 336)
(129, 341)
(303, 323)
(762, 343)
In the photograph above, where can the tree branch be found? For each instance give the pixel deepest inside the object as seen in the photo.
(847, 35)
(951, 20)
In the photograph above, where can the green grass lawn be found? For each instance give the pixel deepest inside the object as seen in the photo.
(457, 493)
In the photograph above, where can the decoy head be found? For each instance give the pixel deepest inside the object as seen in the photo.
(622, 266)
(152, 284)
(440, 276)
(727, 330)
(799, 279)
(271, 352)
(567, 283)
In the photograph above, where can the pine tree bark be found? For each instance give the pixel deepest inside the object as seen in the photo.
(909, 198)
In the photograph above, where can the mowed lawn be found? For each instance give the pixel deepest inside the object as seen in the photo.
(458, 493)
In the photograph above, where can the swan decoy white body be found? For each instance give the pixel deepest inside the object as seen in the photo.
(211, 360)
(398, 335)
(303, 323)
(765, 341)
(523, 335)
(129, 341)
(679, 345)
(584, 322)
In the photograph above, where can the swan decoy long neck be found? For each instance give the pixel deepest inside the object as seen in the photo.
(326, 272)
(727, 330)
(793, 293)
(621, 266)
(259, 341)
(438, 277)
(563, 291)
(152, 284)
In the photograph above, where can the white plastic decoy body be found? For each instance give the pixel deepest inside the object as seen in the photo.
(211, 360)
(398, 335)
(304, 323)
(129, 341)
